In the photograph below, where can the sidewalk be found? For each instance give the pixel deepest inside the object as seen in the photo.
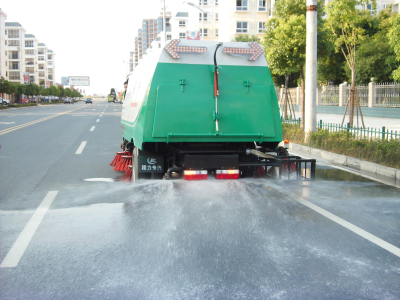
(371, 122)
(360, 167)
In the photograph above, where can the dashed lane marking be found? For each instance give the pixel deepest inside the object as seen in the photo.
(18, 249)
(93, 127)
(81, 147)
(97, 121)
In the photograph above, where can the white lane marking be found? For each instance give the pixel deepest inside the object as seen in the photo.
(357, 230)
(102, 112)
(97, 120)
(18, 249)
(100, 116)
(80, 149)
(6, 123)
(93, 127)
(361, 232)
(100, 179)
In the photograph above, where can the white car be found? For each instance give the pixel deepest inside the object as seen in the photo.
(5, 101)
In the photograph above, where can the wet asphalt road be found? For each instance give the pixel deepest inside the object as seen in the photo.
(244, 239)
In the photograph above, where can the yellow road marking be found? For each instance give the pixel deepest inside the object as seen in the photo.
(35, 122)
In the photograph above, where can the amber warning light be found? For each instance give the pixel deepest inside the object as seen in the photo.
(255, 51)
(172, 49)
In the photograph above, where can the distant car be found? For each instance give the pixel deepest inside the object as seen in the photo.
(5, 101)
(89, 100)
(68, 100)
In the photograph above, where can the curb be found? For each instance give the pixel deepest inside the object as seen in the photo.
(354, 163)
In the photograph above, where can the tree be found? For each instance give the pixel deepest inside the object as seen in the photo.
(4, 86)
(285, 40)
(345, 23)
(246, 38)
(394, 40)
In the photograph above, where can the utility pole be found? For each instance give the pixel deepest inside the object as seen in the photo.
(310, 116)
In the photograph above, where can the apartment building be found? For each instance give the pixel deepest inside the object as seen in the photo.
(243, 17)
(51, 70)
(31, 66)
(380, 5)
(147, 34)
(3, 18)
(15, 51)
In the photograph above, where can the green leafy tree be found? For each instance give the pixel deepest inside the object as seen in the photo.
(41, 82)
(4, 86)
(68, 92)
(345, 22)
(246, 38)
(394, 40)
(285, 40)
(375, 56)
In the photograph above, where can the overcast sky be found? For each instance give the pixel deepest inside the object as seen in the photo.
(90, 38)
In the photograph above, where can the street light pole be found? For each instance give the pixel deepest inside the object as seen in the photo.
(202, 15)
(164, 26)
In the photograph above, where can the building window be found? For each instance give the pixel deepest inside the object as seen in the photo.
(42, 74)
(241, 5)
(14, 65)
(30, 70)
(169, 37)
(13, 55)
(216, 17)
(205, 16)
(29, 62)
(182, 35)
(13, 43)
(202, 2)
(29, 52)
(41, 67)
(205, 32)
(262, 5)
(216, 2)
(216, 32)
(29, 44)
(40, 57)
(261, 26)
(182, 23)
(13, 34)
(50, 63)
(41, 51)
(14, 75)
(241, 27)
(49, 57)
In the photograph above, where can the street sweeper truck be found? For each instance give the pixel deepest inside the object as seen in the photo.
(202, 109)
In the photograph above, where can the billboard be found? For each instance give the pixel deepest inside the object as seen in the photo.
(65, 80)
(47, 84)
(26, 78)
(79, 80)
(193, 34)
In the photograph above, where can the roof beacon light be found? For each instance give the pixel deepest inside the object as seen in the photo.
(286, 144)
(227, 174)
(172, 49)
(195, 175)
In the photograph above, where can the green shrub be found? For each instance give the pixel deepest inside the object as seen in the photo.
(384, 152)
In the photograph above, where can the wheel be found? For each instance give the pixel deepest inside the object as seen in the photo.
(135, 164)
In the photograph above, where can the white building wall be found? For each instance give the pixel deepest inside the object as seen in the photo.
(3, 17)
(31, 66)
(248, 14)
(15, 44)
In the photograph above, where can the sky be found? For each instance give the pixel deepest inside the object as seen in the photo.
(89, 38)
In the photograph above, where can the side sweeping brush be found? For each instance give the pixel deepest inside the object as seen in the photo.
(118, 157)
(122, 165)
(128, 174)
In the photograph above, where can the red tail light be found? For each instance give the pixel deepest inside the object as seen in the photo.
(227, 174)
(194, 175)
